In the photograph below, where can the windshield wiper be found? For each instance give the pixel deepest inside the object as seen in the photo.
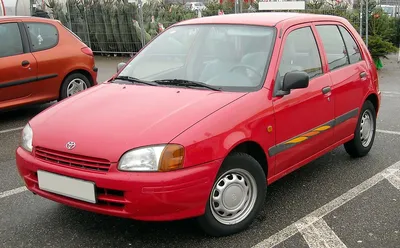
(134, 80)
(188, 83)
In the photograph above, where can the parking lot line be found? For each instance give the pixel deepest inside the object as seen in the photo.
(390, 92)
(319, 234)
(12, 192)
(11, 130)
(387, 131)
(292, 229)
(393, 176)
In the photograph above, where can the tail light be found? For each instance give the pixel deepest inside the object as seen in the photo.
(87, 51)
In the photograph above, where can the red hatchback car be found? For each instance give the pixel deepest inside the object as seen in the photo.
(41, 61)
(205, 117)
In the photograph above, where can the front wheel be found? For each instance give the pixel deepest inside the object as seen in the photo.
(364, 135)
(236, 198)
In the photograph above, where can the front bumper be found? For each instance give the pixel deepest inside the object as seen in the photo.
(149, 196)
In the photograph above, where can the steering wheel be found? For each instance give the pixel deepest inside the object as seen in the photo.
(246, 67)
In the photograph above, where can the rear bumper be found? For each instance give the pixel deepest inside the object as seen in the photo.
(142, 196)
(94, 74)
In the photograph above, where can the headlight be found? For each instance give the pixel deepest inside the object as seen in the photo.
(26, 139)
(153, 158)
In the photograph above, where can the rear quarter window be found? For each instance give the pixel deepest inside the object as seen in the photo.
(352, 48)
(43, 36)
(334, 46)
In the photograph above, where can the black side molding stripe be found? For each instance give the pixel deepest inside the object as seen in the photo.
(346, 116)
(46, 77)
(27, 80)
(274, 150)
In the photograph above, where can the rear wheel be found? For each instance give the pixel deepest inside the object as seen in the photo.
(236, 198)
(364, 135)
(73, 84)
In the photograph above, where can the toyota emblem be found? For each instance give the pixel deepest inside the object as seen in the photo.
(70, 145)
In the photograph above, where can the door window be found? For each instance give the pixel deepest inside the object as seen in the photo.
(352, 48)
(10, 39)
(334, 46)
(43, 35)
(300, 52)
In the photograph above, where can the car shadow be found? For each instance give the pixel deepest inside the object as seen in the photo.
(23, 113)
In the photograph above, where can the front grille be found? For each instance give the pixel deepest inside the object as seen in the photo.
(109, 197)
(67, 159)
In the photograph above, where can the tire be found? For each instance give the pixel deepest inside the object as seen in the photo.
(249, 171)
(362, 143)
(84, 84)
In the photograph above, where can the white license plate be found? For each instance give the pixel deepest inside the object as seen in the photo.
(66, 186)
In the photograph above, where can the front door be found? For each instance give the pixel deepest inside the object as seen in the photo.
(17, 65)
(303, 119)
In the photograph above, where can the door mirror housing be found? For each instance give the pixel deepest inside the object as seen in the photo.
(293, 80)
(120, 66)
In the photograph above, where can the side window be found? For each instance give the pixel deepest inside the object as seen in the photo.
(11, 41)
(334, 46)
(300, 52)
(352, 48)
(43, 36)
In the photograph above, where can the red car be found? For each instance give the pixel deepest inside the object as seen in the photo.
(205, 117)
(41, 61)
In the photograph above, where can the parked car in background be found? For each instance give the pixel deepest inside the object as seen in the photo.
(195, 6)
(41, 61)
(204, 118)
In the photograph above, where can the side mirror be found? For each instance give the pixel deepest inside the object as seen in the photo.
(294, 80)
(120, 66)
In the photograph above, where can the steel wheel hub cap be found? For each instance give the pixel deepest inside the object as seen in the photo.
(233, 196)
(366, 128)
(75, 86)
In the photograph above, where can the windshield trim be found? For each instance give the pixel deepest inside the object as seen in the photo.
(226, 88)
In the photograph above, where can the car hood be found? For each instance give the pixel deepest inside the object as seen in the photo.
(109, 119)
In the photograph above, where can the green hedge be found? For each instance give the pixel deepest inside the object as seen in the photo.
(112, 26)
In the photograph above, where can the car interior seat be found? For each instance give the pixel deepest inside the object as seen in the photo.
(225, 59)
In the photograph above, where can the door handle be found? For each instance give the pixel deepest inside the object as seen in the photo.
(363, 74)
(25, 63)
(326, 90)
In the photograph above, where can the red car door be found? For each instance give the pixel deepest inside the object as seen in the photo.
(349, 74)
(18, 67)
(303, 118)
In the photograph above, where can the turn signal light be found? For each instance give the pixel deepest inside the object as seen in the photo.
(172, 158)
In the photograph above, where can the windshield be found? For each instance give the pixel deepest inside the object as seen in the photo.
(230, 57)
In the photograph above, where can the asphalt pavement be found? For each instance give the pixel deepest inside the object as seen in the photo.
(334, 201)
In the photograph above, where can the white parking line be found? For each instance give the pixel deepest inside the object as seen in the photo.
(390, 92)
(12, 192)
(11, 130)
(319, 234)
(292, 229)
(393, 176)
(387, 131)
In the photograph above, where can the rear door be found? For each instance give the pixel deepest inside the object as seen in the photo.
(304, 117)
(18, 68)
(349, 74)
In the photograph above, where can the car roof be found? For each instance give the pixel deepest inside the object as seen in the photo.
(24, 18)
(261, 18)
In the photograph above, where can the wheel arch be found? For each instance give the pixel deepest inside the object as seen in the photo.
(373, 98)
(253, 149)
